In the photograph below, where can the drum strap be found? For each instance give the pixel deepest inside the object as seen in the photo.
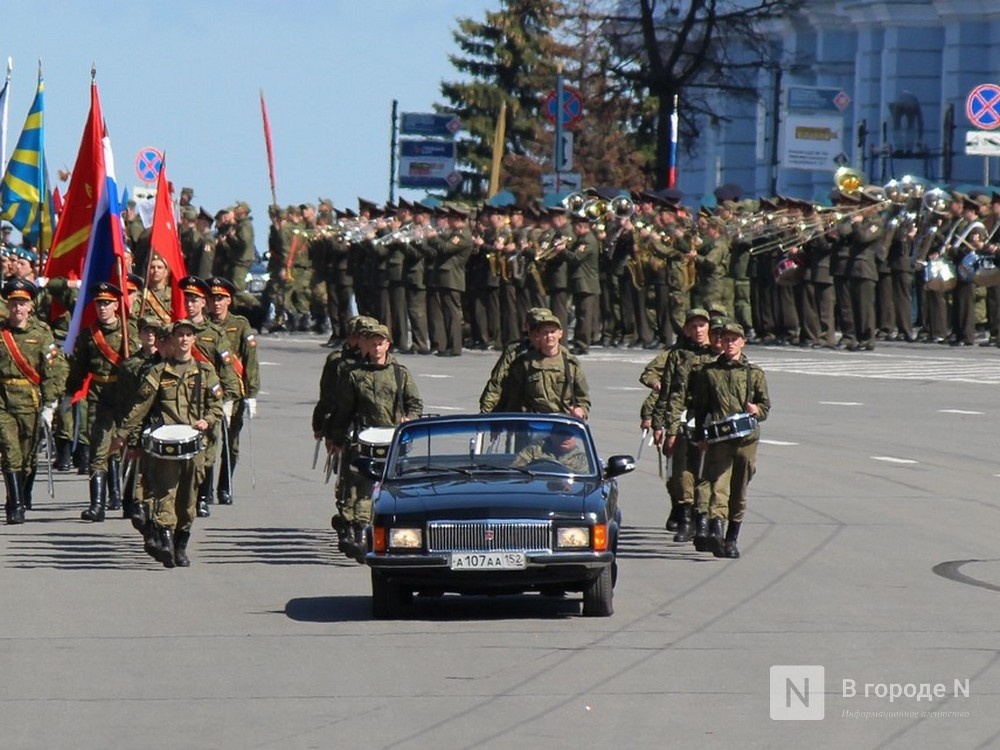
(567, 383)
(197, 392)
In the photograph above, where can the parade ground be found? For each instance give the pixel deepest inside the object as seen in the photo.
(861, 614)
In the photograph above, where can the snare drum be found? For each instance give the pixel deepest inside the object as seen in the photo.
(987, 272)
(173, 442)
(374, 442)
(789, 272)
(939, 275)
(967, 268)
(732, 427)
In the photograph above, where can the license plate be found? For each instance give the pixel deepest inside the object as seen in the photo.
(488, 561)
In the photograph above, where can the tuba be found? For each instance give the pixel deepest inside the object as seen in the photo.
(848, 181)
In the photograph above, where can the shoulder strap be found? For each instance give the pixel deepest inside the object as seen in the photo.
(567, 382)
(397, 412)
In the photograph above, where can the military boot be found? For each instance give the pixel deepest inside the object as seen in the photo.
(64, 455)
(205, 493)
(674, 516)
(137, 515)
(360, 546)
(166, 548)
(715, 544)
(114, 484)
(730, 549)
(14, 507)
(684, 529)
(98, 497)
(81, 459)
(151, 540)
(225, 493)
(28, 488)
(181, 539)
(701, 532)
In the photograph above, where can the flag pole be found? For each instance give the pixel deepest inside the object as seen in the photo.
(3, 115)
(269, 145)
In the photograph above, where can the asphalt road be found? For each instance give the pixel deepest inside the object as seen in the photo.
(870, 550)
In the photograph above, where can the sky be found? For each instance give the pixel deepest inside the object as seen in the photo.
(184, 76)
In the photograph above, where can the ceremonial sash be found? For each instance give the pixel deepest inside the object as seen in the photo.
(291, 255)
(199, 355)
(19, 359)
(105, 348)
(237, 364)
(160, 311)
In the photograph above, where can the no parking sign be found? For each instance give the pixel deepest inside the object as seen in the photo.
(148, 163)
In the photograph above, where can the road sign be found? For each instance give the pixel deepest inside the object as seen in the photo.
(431, 124)
(571, 110)
(817, 98)
(148, 163)
(566, 152)
(982, 107)
(982, 143)
(812, 141)
(561, 182)
(427, 164)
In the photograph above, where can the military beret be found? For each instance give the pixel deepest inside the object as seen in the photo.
(193, 285)
(545, 317)
(25, 254)
(697, 312)
(220, 287)
(105, 290)
(183, 323)
(378, 329)
(19, 289)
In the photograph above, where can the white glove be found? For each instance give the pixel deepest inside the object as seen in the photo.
(48, 412)
(41, 281)
(227, 409)
(251, 405)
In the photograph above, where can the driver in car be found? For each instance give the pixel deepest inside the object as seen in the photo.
(561, 446)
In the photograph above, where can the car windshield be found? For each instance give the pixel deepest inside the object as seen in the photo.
(517, 447)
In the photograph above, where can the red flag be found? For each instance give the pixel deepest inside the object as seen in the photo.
(270, 148)
(57, 202)
(165, 241)
(69, 245)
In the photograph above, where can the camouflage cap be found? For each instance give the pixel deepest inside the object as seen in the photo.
(378, 329)
(734, 328)
(696, 312)
(361, 323)
(718, 322)
(545, 317)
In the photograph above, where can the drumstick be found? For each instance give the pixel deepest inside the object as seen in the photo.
(642, 442)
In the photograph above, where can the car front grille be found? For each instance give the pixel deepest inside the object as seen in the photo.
(489, 536)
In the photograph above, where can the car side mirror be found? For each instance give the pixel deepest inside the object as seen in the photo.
(368, 467)
(618, 465)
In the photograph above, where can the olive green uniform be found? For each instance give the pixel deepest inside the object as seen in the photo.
(575, 459)
(239, 347)
(547, 385)
(331, 382)
(371, 396)
(720, 389)
(174, 393)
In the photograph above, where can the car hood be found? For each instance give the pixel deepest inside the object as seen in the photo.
(541, 497)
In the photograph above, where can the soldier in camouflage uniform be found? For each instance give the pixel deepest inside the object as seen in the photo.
(179, 391)
(331, 381)
(546, 379)
(32, 375)
(669, 428)
(240, 344)
(729, 385)
(98, 354)
(562, 446)
(378, 392)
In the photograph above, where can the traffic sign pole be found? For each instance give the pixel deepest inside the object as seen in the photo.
(557, 158)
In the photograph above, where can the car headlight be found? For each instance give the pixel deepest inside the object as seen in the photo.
(573, 537)
(406, 538)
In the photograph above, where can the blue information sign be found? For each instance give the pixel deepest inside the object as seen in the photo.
(817, 98)
(430, 124)
(427, 164)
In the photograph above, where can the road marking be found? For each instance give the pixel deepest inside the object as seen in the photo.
(841, 403)
(957, 411)
(269, 364)
(776, 442)
(626, 388)
(442, 408)
(893, 460)
(435, 375)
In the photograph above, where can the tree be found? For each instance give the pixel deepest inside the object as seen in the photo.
(691, 49)
(511, 56)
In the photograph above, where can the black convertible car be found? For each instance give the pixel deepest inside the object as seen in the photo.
(494, 504)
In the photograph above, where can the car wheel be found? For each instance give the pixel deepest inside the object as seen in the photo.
(388, 597)
(598, 595)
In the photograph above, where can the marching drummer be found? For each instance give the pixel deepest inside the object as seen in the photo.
(729, 390)
(179, 391)
(378, 392)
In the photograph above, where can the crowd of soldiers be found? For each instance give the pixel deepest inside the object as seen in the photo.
(133, 369)
(624, 270)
